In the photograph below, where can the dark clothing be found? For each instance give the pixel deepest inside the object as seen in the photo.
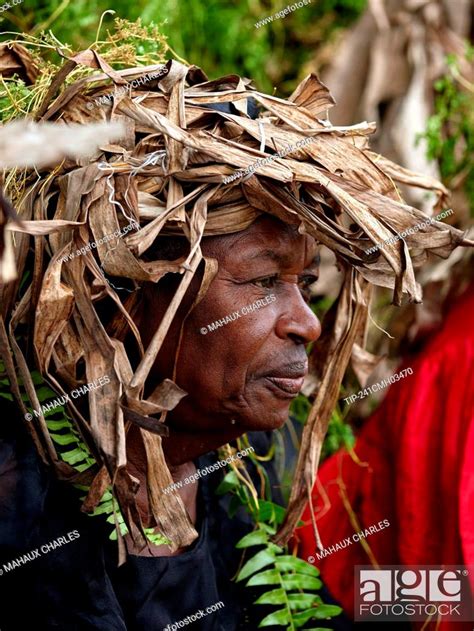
(77, 586)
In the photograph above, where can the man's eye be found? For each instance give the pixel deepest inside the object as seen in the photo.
(306, 281)
(269, 282)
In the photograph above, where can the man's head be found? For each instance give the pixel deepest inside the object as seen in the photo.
(249, 368)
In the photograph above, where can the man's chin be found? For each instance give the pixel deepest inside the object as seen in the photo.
(268, 407)
(270, 413)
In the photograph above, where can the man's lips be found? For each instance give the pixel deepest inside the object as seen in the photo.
(290, 386)
(287, 382)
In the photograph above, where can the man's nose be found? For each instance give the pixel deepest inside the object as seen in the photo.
(296, 320)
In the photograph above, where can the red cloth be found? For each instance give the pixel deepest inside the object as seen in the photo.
(419, 446)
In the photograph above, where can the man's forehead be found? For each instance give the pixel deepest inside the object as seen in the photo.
(269, 239)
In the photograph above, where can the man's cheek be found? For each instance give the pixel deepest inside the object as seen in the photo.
(259, 410)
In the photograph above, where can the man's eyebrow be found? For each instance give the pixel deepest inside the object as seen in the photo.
(282, 259)
(277, 257)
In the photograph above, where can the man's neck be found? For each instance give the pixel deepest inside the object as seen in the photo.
(182, 447)
(179, 448)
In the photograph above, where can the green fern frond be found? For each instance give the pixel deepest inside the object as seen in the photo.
(293, 583)
(73, 451)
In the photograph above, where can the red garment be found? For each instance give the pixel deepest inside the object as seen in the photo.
(419, 446)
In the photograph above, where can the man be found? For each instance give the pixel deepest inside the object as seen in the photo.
(183, 336)
(254, 367)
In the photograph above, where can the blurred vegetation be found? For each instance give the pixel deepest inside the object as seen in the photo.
(450, 131)
(339, 434)
(216, 35)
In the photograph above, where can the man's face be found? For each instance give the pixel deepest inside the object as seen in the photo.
(247, 372)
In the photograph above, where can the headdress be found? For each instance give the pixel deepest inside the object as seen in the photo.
(194, 161)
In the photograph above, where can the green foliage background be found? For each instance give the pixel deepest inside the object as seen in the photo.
(450, 131)
(217, 35)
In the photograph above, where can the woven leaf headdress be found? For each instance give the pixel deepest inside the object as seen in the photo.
(194, 162)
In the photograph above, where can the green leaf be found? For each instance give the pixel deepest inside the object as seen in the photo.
(315, 613)
(37, 379)
(300, 581)
(6, 395)
(106, 507)
(260, 560)
(234, 506)
(230, 481)
(119, 516)
(288, 562)
(255, 538)
(65, 439)
(74, 456)
(303, 601)
(327, 611)
(271, 530)
(301, 618)
(44, 393)
(274, 597)
(123, 529)
(156, 538)
(54, 425)
(268, 511)
(268, 577)
(81, 487)
(83, 467)
(107, 496)
(278, 617)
